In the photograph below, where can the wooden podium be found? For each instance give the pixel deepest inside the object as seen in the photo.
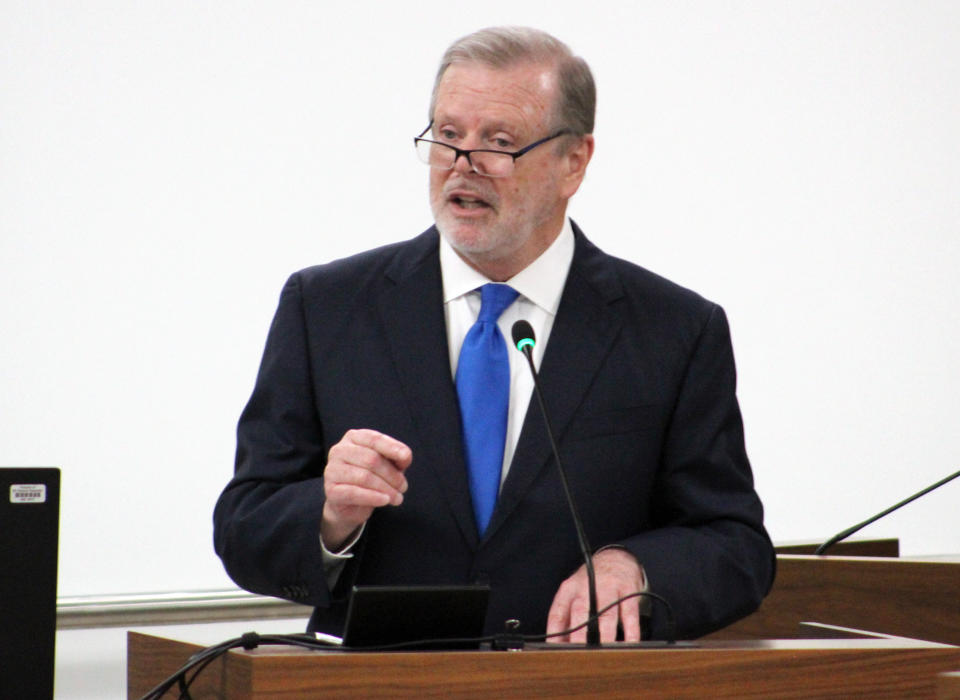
(912, 604)
(829, 668)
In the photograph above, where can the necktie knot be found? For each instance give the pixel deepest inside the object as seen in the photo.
(494, 298)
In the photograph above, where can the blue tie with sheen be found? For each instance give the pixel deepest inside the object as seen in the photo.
(483, 387)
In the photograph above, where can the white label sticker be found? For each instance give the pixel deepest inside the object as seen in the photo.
(28, 493)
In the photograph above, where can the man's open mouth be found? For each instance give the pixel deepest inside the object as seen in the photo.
(470, 202)
(467, 199)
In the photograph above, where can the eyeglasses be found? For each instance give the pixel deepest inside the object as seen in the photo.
(484, 161)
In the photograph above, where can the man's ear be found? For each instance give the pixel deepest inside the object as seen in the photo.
(575, 160)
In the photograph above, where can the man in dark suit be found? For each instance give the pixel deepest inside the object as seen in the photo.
(356, 453)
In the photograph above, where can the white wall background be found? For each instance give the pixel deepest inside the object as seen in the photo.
(165, 165)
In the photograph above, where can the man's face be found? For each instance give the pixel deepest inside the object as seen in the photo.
(500, 225)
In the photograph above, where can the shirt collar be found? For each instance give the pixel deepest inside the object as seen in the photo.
(539, 281)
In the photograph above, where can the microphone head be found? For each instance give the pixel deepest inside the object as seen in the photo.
(523, 335)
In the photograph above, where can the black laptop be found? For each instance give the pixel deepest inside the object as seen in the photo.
(29, 530)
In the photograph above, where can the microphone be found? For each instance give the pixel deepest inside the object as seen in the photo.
(849, 531)
(524, 340)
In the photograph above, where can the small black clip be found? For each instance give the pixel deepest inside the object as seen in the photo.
(250, 640)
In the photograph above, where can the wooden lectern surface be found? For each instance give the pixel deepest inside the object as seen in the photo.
(875, 668)
(917, 598)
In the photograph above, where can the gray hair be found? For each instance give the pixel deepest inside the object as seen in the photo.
(505, 47)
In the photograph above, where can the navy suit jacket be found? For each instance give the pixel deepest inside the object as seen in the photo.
(639, 380)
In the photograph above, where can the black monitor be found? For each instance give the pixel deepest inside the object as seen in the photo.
(29, 533)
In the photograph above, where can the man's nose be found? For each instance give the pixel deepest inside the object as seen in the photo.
(462, 164)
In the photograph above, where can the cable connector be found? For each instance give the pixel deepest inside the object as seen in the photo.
(510, 639)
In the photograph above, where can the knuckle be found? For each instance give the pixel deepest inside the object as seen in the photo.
(356, 436)
(337, 494)
(359, 476)
(332, 473)
(367, 459)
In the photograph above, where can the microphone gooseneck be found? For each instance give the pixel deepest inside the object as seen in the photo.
(849, 531)
(524, 340)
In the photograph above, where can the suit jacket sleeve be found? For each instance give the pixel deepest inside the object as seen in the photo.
(708, 552)
(267, 520)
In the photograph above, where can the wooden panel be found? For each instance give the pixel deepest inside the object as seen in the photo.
(906, 597)
(875, 668)
(948, 686)
(848, 548)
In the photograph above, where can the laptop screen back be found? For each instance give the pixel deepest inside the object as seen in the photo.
(29, 531)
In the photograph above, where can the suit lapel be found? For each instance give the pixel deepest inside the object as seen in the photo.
(413, 319)
(582, 334)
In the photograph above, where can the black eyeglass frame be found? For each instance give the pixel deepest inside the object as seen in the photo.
(467, 151)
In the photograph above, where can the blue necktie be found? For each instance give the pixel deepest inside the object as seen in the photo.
(483, 387)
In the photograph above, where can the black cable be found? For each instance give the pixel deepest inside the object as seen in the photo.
(204, 657)
(671, 623)
(200, 662)
(250, 640)
(197, 670)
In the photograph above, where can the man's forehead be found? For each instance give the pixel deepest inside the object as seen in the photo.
(526, 88)
(543, 74)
